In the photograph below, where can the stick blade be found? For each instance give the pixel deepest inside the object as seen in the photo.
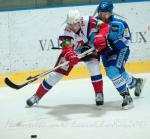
(11, 84)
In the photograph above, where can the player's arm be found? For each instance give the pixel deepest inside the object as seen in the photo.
(117, 34)
(67, 51)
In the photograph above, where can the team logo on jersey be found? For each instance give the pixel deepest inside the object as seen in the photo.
(126, 31)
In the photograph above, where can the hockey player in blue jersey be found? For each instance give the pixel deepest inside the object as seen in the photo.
(115, 55)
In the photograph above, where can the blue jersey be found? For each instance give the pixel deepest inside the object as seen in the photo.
(118, 44)
(119, 36)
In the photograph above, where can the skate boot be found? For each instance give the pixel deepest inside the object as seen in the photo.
(127, 100)
(31, 101)
(99, 98)
(139, 86)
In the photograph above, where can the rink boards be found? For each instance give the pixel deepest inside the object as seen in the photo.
(77, 72)
(27, 36)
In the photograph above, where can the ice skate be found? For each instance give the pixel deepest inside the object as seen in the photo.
(99, 98)
(139, 86)
(127, 101)
(31, 101)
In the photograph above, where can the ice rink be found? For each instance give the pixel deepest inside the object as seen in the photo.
(68, 111)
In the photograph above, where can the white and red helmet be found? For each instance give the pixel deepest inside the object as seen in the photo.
(73, 16)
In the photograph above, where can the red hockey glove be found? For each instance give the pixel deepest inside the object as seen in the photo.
(69, 55)
(104, 29)
(100, 42)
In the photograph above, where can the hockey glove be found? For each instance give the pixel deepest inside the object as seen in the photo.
(103, 28)
(69, 55)
(100, 42)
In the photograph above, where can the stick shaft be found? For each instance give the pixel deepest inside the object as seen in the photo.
(36, 77)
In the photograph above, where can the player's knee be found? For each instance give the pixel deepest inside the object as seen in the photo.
(93, 67)
(112, 72)
(53, 78)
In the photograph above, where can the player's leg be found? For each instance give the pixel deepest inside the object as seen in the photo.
(49, 82)
(44, 87)
(114, 63)
(96, 79)
(120, 84)
(133, 82)
(130, 80)
(140, 82)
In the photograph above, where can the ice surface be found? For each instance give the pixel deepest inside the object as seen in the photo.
(69, 111)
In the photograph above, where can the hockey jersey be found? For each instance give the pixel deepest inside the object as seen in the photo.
(83, 36)
(119, 35)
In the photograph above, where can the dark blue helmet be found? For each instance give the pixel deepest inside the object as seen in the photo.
(105, 6)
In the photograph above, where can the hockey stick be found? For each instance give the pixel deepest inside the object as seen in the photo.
(119, 15)
(36, 77)
(53, 46)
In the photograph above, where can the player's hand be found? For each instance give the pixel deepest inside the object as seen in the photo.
(70, 56)
(73, 60)
(100, 42)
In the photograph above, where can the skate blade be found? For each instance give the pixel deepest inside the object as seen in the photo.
(128, 106)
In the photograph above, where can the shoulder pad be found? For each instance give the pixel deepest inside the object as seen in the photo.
(116, 30)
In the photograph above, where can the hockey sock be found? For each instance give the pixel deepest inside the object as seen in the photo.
(97, 83)
(120, 83)
(43, 89)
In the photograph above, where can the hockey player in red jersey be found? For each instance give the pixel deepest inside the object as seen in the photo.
(76, 37)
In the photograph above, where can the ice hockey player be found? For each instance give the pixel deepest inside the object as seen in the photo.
(115, 55)
(76, 37)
